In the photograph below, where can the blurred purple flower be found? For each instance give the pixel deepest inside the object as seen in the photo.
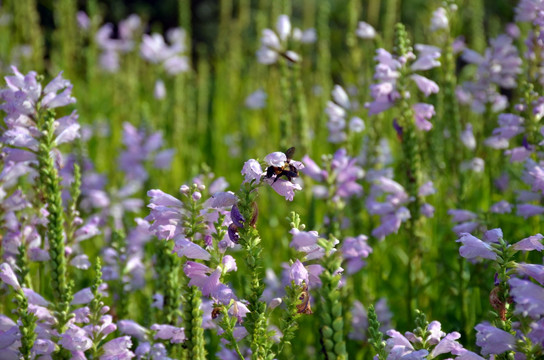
(365, 30)
(354, 250)
(165, 215)
(142, 147)
(499, 67)
(274, 43)
(298, 273)
(168, 332)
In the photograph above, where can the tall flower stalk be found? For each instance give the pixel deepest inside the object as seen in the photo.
(256, 320)
(192, 314)
(50, 181)
(331, 310)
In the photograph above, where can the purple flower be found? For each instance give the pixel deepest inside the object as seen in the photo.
(142, 148)
(165, 215)
(314, 273)
(447, 345)
(252, 171)
(531, 243)
(537, 333)
(229, 263)
(464, 354)
(501, 207)
(473, 248)
(312, 170)
(427, 210)
(354, 250)
(499, 67)
(222, 200)
(533, 270)
(43, 347)
(75, 339)
(83, 296)
(239, 310)
(422, 113)
(8, 276)
(273, 44)
(384, 92)
(529, 10)
(339, 111)
(396, 339)
(493, 340)
(83, 20)
(210, 285)
(306, 241)
(284, 187)
(132, 328)
(168, 332)
(392, 211)
(344, 171)
(528, 296)
(159, 91)
(426, 58)
(22, 99)
(493, 236)
(365, 30)
(528, 210)
(465, 219)
(426, 86)
(155, 50)
(467, 137)
(439, 20)
(256, 100)
(184, 247)
(117, 348)
(298, 273)
(88, 230)
(237, 217)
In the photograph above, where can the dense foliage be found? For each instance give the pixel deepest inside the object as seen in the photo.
(321, 179)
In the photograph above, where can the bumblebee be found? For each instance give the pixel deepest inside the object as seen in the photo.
(288, 170)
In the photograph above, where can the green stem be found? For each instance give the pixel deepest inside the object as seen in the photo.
(50, 182)
(28, 325)
(193, 324)
(256, 321)
(331, 312)
(285, 112)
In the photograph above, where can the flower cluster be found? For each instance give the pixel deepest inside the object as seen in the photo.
(278, 160)
(113, 47)
(513, 281)
(339, 110)
(498, 68)
(340, 176)
(275, 44)
(155, 50)
(393, 209)
(387, 73)
(142, 147)
(435, 342)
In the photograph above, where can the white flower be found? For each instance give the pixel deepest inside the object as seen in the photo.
(365, 31)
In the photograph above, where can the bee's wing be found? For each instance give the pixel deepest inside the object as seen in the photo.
(289, 153)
